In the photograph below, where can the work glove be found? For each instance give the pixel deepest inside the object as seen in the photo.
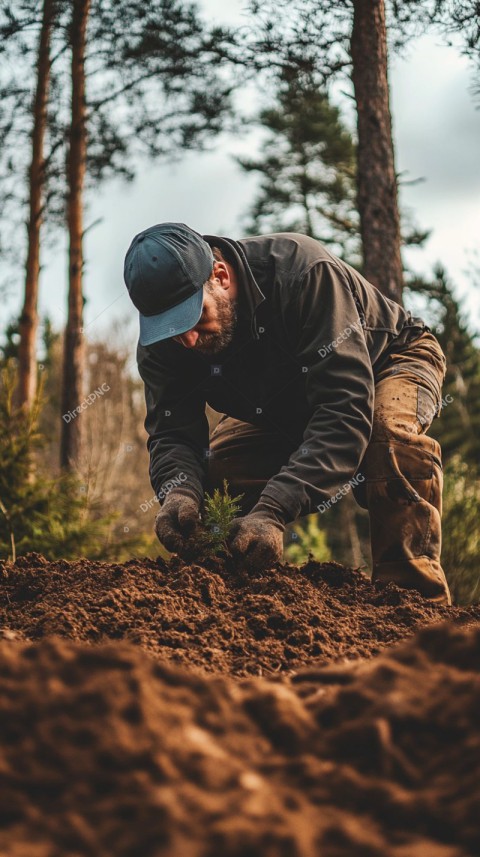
(257, 538)
(177, 521)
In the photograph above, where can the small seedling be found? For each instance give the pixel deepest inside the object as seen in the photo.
(220, 511)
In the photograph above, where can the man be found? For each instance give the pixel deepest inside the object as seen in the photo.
(324, 384)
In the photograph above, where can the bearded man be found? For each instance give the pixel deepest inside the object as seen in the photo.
(323, 385)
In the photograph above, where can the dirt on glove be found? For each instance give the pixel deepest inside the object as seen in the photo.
(157, 708)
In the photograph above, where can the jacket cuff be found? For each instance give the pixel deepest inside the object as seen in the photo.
(269, 509)
(184, 492)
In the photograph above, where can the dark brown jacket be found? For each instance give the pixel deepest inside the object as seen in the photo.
(311, 337)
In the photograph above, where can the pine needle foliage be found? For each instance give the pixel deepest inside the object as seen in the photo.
(458, 429)
(220, 509)
(461, 530)
(307, 170)
(38, 513)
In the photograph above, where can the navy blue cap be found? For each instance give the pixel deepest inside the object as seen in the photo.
(165, 269)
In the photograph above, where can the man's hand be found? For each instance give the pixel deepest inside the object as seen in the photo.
(257, 540)
(176, 522)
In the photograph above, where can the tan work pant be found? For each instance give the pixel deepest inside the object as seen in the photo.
(401, 469)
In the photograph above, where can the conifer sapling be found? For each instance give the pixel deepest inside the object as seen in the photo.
(219, 512)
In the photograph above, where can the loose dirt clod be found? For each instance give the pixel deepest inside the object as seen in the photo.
(349, 746)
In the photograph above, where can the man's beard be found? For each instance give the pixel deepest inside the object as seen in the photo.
(226, 316)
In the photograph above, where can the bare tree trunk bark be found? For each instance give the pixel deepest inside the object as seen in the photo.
(27, 380)
(74, 348)
(377, 182)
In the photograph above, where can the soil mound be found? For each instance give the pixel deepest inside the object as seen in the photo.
(212, 618)
(108, 751)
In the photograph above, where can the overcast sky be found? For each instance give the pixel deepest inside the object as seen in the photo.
(437, 137)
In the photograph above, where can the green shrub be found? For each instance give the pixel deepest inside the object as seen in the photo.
(307, 539)
(39, 513)
(461, 531)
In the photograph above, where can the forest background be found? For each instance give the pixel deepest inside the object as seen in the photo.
(236, 120)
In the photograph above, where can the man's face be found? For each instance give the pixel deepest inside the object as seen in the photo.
(216, 326)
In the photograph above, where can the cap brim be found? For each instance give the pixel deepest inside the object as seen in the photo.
(172, 322)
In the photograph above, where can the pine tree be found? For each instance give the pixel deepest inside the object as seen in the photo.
(29, 316)
(74, 344)
(154, 88)
(324, 40)
(307, 170)
(376, 176)
(458, 428)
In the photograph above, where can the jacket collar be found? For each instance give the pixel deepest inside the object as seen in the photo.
(235, 254)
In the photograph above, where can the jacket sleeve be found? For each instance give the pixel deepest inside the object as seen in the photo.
(176, 422)
(339, 388)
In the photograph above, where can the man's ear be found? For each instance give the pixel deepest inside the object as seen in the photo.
(221, 273)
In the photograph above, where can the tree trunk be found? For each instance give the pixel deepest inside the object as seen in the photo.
(74, 349)
(377, 182)
(349, 507)
(27, 381)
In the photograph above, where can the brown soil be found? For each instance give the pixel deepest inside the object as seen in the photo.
(297, 729)
(212, 618)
